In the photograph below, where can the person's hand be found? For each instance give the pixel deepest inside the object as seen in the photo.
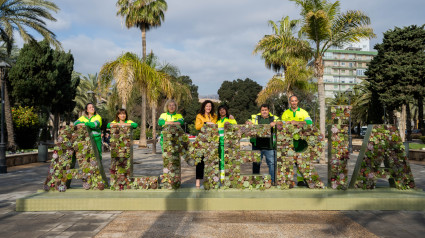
(272, 124)
(208, 122)
(168, 122)
(231, 117)
(248, 123)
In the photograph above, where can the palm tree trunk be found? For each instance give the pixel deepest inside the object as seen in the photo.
(318, 66)
(143, 28)
(153, 128)
(55, 125)
(11, 143)
(402, 123)
(142, 140)
(408, 123)
(421, 115)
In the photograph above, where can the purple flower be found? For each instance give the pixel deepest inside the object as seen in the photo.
(216, 179)
(86, 186)
(165, 170)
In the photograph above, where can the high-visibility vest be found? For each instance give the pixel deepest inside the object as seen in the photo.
(256, 117)
(297, 115)
(166, 117)
(133, 124)
(220, 124)
(95, 127)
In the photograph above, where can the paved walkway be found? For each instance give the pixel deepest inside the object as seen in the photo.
(24, 180)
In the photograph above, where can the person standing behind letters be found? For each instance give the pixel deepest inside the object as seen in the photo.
(295, 115)
(170, 117)
(264, 144)
(93, 121)
(206, 115)
(225, 118)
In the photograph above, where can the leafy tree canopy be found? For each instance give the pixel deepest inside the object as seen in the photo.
(240, 96)
(43, 77)
(189, 108)
(397, 73)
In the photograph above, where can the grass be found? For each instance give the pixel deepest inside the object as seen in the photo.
(416, 146)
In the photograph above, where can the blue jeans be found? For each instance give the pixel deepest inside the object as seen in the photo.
(269, 154)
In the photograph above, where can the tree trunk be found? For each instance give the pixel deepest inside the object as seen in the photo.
(143, 28)
(318, 71)
(421, 115)
(55, 125)
(142, 140)
(402, 123)
(408, 123)
(11, 143)
(153, 128)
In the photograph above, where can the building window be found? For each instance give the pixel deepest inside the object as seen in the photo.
(342, 63)
(329, 55)
(335, 71)
(335, 86)
(328, 70)
(335, 63)
(350, 65)
(360, 72)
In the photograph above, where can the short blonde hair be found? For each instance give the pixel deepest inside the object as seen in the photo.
(168, 102)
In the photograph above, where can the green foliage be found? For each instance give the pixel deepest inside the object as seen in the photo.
(42, 77)
(189, 108)
(423, 139)
(26, 125)
(396, 73)
(240, 96)
(18, 15)
(416, 146)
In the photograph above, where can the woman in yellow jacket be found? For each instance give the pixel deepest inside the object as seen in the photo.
(122, 118)
(206, 115)
(93, 121)
(225, 118)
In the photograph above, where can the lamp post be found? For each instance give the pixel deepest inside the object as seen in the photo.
(350, 137)
(3, 167)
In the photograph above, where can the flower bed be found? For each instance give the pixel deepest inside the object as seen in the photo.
(384, 146)
(287, 157)
(338, 154)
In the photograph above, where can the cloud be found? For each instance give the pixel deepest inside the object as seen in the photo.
(210, 41)
(91, 53)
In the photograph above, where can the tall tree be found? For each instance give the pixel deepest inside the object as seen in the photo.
(128, 71)
(17, 16)
(325, 26)
(240, 96)
(43, 77)
(282, 50)
(397, 73)
(143, 14)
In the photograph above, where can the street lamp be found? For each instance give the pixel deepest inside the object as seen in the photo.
(350, 138)
(3, 167)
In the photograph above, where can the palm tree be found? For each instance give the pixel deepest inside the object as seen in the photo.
(143, 14)
(325, 26)
(166, 87)
(283, 51)
(16, 16)
(129, 72)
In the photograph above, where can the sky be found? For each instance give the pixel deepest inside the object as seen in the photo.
(208, 40)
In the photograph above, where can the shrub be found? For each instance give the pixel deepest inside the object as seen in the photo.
(423, 139)
(26, 125)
